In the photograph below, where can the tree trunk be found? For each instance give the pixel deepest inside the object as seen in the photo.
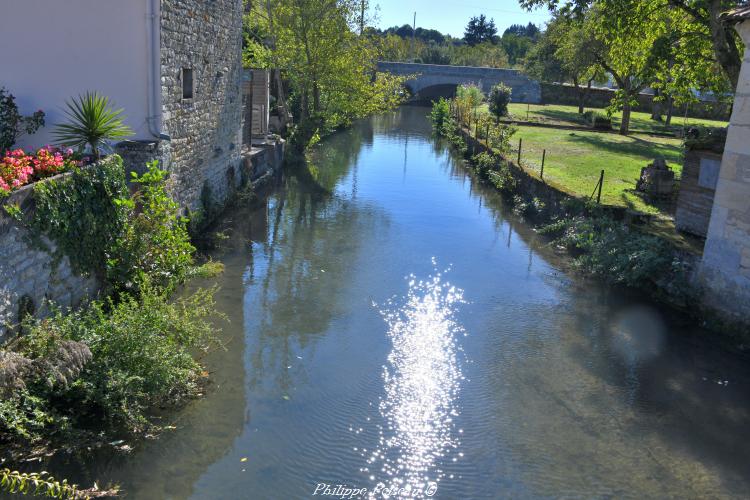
(579, 92)
(723, 39)
(625, 123)
(316, 97)
(722, 35)
(670, 109)
(656, 106)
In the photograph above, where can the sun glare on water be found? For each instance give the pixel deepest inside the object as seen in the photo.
(421, 378)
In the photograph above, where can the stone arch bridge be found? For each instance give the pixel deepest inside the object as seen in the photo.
(435, 80)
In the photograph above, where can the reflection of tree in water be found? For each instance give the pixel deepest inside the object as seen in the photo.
(301, 264)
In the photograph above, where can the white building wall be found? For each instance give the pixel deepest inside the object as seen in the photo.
(52, 50)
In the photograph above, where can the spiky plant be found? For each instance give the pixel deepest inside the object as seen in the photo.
(92, 121)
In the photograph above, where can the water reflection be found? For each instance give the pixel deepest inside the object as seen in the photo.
(561, 388)
(422, 380)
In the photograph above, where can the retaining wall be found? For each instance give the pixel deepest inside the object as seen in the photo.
(29, 276)
(597, 97)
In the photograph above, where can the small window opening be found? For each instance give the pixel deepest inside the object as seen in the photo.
(187, 83)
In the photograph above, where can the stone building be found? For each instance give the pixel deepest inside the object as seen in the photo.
(725, 268)
(174, 66)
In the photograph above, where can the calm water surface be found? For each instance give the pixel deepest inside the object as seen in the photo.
(393, 326)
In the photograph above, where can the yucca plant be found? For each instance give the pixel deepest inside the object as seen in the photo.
(92, 122)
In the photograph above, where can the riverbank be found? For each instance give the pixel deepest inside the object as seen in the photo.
(608, 242)
(100, 375)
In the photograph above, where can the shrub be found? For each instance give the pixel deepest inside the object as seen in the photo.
(12, 124)
(597, 120)
(468, 97)
(440, 116)
(92, 123)
(503, 178)
(484, 163)
(706, 138)
(499, 99)
(154, 243)
(500, 136)
(141, 355)
(612, 251)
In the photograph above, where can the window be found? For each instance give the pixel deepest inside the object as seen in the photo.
(187, 83)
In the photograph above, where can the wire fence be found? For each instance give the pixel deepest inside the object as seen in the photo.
(496, 136)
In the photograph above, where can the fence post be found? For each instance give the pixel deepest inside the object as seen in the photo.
(601, 183)
(544, 154)
(520, 144)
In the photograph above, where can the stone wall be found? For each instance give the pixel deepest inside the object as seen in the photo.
(205, 130)
(700, 172)
(136, 154)
(725, 269)
(597, 97)
(29, 276)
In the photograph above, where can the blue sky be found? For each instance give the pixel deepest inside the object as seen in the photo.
(451, 16)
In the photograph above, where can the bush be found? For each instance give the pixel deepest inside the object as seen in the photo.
(598, 120)
(154, 243)
(140, 357)
(503, 178)
(499, 99)
(468, 97)
(484, 163)
(706, 138)
(440, 116)
(612, 251)
(79, 212)
(12, 124)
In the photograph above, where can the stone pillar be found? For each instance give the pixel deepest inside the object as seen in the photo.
(725, 268)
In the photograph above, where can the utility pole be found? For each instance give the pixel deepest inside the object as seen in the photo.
(413, 34)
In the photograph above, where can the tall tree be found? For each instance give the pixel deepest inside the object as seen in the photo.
(330, 69)
(705, 14)
(480, 30)
(622, 34)
(567, 52)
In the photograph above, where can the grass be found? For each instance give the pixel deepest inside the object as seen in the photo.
(558, 114)
(574, 160)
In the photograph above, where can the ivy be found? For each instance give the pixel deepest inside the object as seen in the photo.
(80, 214)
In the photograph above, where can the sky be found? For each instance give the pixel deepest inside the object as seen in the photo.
(451, 16)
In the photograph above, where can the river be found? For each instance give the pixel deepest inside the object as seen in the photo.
(393, 326)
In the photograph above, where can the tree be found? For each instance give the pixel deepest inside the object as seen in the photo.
(565, 53)
(12, 124)
(480, 30)
(528, 31)
(622, 34)
(468, 97)
(330, 69)
(515, 46)
(705, 15)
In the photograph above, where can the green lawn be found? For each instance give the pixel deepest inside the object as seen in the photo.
(568, 115)
(575, 158)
